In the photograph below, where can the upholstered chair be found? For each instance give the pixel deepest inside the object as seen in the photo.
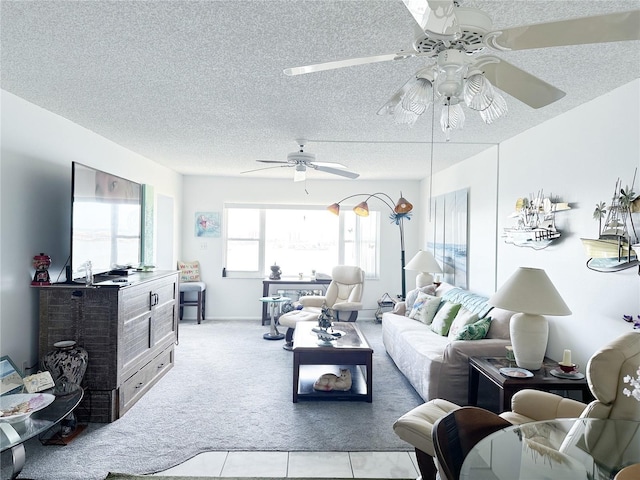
(605, 372)
(343, 297)
(455, 434)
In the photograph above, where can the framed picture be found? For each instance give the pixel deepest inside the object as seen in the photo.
(10, 377)
(207, 224)
(449, 240)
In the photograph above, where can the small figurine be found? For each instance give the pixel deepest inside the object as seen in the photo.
(41, 263)
(275, 272)
(325, 318)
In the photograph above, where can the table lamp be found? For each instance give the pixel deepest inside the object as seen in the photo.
(424, 263)
(529, 291)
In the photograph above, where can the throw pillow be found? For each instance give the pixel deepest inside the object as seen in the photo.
(189, 271)
(413, 295)
(443, 319)
(474, 331)
(425, 308)
(463, 317)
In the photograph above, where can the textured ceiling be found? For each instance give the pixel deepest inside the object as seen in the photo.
(198, 85)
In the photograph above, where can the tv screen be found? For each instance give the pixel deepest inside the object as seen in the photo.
(106, 222)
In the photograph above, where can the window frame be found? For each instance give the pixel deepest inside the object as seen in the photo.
(262, 208)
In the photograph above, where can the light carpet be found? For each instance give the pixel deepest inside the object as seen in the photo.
(230, 390)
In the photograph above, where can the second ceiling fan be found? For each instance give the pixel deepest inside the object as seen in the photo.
(302, 160)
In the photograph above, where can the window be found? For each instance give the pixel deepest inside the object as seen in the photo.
(299, 240)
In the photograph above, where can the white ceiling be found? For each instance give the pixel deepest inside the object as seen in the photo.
(198, 85)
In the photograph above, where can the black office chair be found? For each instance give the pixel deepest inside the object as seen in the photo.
(455, 434)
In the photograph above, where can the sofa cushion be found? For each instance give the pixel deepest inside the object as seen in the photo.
(474, 331)
(463, 317)
(471, 301)
(425, 308)
(413, 295)
(500, 320)
(443, 319)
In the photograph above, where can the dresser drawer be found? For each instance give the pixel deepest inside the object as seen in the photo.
(136, 386)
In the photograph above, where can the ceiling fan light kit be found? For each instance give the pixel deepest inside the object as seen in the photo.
(453, 35)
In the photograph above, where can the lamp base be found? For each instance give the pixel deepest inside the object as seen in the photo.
(529, 335)
(424, 279)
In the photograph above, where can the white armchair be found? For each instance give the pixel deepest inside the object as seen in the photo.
(605, 373)
(343, 296)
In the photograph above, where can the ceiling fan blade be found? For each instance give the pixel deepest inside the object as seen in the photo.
(519, 84)
(335, 171)
(435, 16)
(349, 62)
(328, 164)
(271, 161)
(265, 168)
(612, 27)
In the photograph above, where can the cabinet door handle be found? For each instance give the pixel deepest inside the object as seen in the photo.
(160, 366)
(139, 385)
(154, 299)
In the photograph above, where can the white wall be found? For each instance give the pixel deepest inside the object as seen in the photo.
(479, 175)
(577, 156)
(234, 298)
(37, 149)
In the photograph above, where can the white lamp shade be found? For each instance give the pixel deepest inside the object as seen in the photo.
(529, 291)
(426, 264)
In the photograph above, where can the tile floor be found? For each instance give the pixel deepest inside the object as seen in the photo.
(388, 465)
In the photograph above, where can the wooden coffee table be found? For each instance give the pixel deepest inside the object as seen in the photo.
(311, 360)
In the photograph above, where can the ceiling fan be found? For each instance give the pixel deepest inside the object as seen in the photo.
(302, 160)
(452, 36)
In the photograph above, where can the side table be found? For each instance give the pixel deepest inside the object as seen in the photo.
(13, 436)
(489, 368)
(273, 334)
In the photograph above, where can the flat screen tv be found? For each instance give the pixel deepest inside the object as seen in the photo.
(106, 221)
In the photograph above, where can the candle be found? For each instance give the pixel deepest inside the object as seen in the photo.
(566, 358)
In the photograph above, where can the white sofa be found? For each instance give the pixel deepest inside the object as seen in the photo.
(436, 366)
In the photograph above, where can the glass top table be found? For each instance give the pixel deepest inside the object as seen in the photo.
(572, 449)
(273, 333)
(13, 435)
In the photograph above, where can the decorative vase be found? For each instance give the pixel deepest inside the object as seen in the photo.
(67, 365)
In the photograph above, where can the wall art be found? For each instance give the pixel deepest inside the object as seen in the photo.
(449, 236)
(207, 224)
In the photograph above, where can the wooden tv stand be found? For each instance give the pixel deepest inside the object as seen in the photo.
(129, 329)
